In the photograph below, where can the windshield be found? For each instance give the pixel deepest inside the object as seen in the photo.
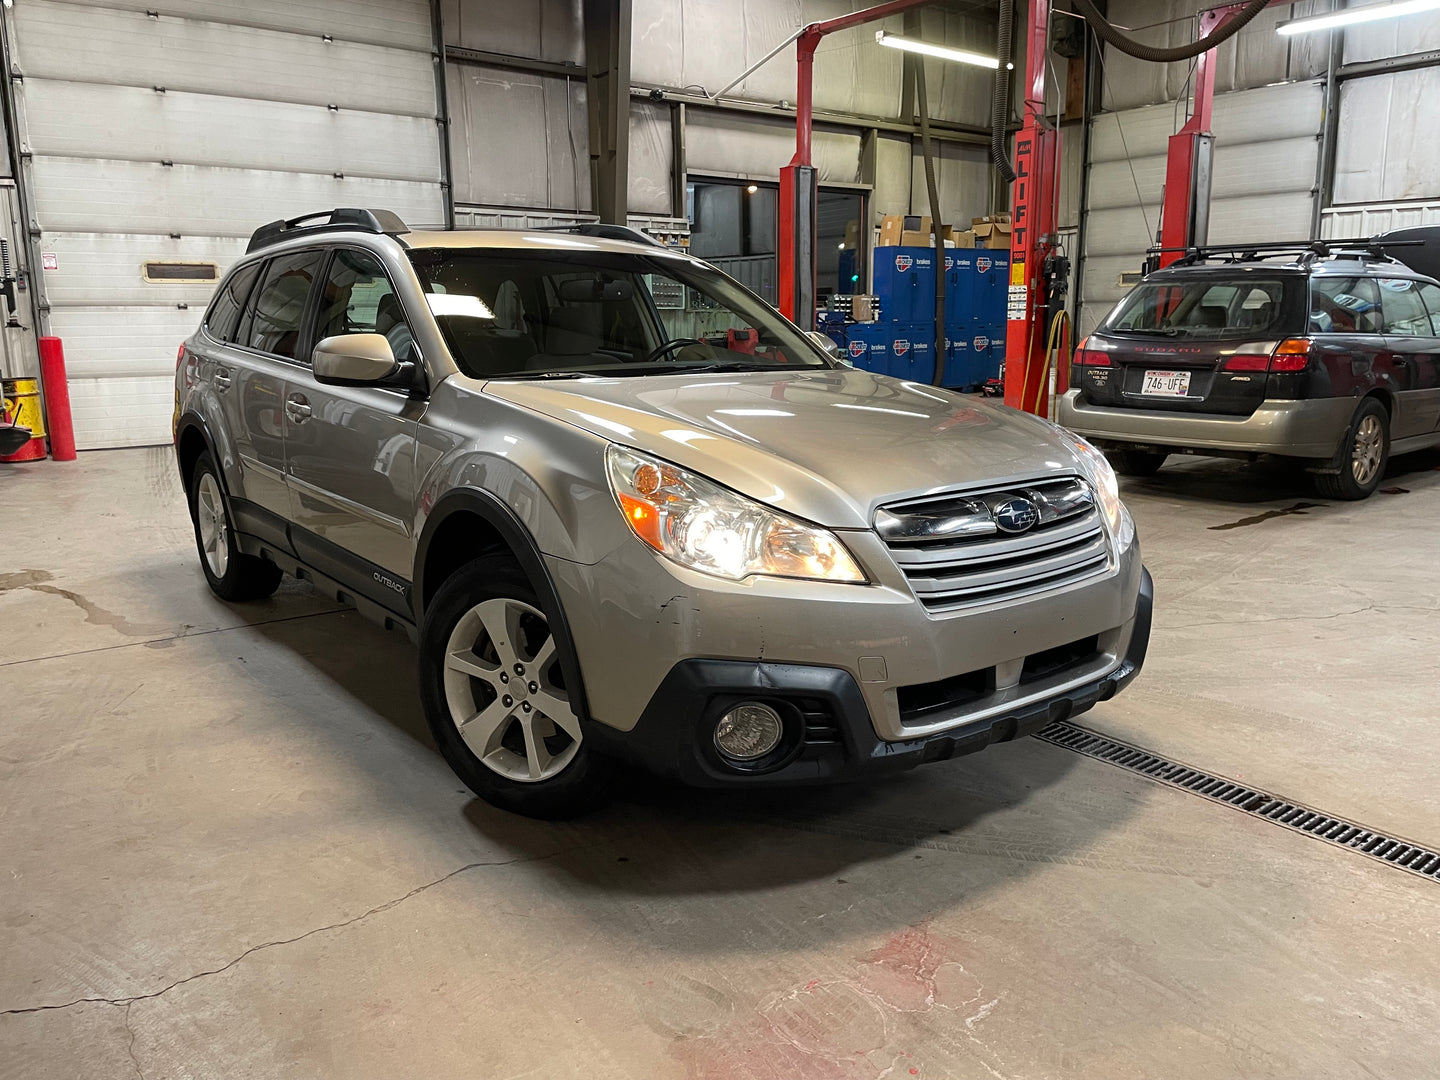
(534, 314)
(1204, 308)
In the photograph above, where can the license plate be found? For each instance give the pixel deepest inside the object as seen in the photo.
(1166, 383)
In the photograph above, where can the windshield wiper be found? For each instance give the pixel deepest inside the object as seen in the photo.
(544, 375)
(732, 365)
(1158, 331)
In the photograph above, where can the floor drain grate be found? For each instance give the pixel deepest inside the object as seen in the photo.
(1347, 834)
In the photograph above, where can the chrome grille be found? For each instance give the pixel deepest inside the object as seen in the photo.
(955, 555)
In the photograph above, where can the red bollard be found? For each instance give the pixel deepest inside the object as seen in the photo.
(57, 399)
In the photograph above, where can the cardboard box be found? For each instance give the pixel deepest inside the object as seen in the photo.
(965, 238)
(852, 234)
(891, 227)
(925, 237)
(992, 234)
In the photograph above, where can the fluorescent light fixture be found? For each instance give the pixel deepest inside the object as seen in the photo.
(1350, 16)
(959, 55)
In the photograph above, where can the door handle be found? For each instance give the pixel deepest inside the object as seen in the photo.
(222, 379)
(297, 408)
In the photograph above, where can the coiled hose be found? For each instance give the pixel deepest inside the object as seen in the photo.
(1131, 47)
(1000, 102)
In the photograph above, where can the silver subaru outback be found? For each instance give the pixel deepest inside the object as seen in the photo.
(631, 514)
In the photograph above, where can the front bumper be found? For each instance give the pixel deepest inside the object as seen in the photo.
(1305, 429)
(634, 615)
(834, 738)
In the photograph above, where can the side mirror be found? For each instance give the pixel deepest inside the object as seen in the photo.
(354, 360)
(827, 343)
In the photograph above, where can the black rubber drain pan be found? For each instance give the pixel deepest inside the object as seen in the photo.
(1293, 815)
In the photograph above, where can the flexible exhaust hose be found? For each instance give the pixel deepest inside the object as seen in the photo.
(1131, 47)
(917, 65)
(1000, 102)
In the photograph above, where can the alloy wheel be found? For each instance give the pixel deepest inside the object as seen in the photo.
(506, 693)
(1368, 449)
(210, 516)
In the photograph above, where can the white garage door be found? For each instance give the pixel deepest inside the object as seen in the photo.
(163, 133)
(1266, 151)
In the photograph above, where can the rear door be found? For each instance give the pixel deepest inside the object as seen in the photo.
(1415, 351)
(351, 449)
(251, 384)
(1351, 354)
(1430, 294)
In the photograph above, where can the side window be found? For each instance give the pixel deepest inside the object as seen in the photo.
(278, 310)
(1431, 295)
(1404, 311)
(359, 299)
(224, 310)
(1344, 305)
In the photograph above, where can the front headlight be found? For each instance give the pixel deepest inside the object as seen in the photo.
(703, 526)
(1107, 488)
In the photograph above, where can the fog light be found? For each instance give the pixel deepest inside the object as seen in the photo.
(748, 731)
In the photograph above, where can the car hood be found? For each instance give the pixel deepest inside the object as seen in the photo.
(829, 446)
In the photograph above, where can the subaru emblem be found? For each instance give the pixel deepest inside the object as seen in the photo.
(1016, 515)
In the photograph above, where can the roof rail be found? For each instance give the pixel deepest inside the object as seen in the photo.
(1308, 250)
(601, 231)
(348, 218)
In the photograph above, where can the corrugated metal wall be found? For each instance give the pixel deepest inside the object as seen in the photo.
(1266, 157)
(1268, 115)
(170, 130)
(698, 46)
(1387, 145)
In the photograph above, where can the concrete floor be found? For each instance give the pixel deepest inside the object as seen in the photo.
(227, 848)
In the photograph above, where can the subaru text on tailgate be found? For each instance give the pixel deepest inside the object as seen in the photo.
(629, 512)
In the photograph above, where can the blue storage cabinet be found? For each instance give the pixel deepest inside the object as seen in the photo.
(912, 351)
(905, 283)
(868, 346)
(976, 287)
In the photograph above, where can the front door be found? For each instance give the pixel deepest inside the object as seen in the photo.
(351, 449)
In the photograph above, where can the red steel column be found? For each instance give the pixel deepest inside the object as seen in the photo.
(1177, 215)
(1032, 233)
(57, 399)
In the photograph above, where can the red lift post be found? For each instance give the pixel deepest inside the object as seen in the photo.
(796, 258)
(1185, 213)
(1032, 235)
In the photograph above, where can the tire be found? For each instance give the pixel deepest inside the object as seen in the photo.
(493, 692)
(233, 575)
(1364, 452)
(1136, 462)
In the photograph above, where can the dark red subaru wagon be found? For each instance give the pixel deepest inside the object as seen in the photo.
(1318, 353)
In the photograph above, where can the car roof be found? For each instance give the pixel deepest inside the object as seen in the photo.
(536, 240)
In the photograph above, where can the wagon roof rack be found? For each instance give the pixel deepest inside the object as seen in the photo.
(1361, 247)
(347, 218)
(601, 231)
